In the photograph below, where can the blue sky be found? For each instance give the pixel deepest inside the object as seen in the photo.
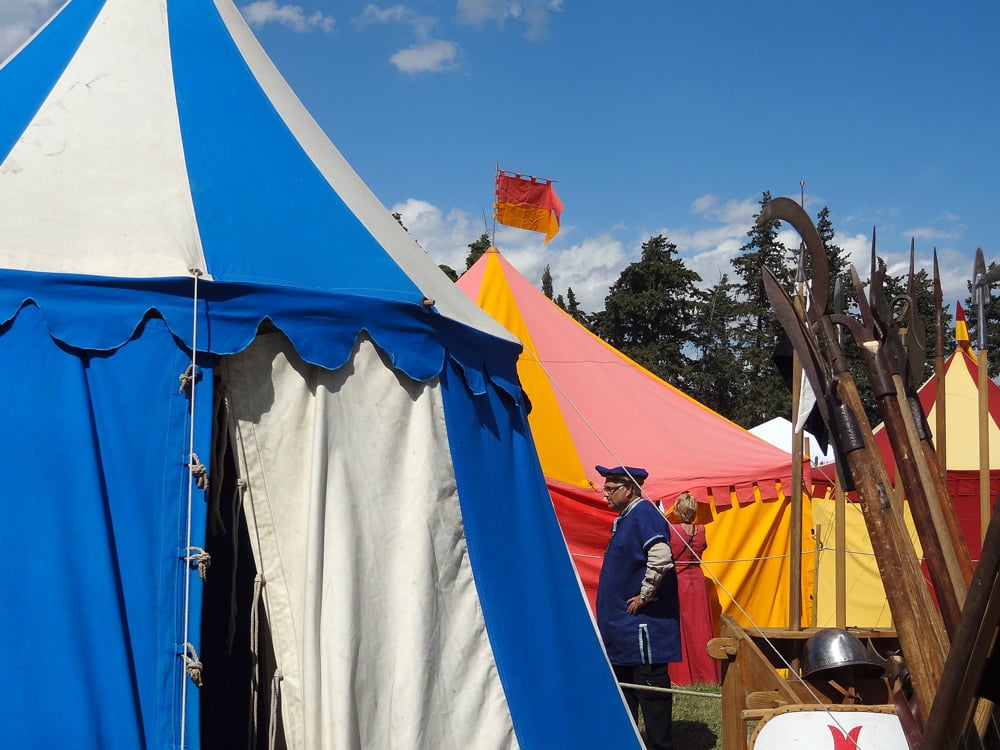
(654, 117)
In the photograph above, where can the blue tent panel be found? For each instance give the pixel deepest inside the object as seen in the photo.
(94, 526)
(536, 616)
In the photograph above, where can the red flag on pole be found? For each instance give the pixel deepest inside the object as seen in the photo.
(527, 203)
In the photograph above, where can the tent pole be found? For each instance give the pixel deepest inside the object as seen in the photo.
(984, 443)
(840, 554)
(795, 561)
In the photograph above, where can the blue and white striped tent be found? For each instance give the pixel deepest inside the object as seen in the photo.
(205, 311)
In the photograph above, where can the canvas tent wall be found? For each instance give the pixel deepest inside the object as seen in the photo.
(395, 506)
(593, 405)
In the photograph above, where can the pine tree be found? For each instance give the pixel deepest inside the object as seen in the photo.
(476, 249)
(764, 395)
(715, 376)
(547, 281)
(649, 310)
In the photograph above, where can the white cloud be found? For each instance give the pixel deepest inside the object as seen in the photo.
(533, 14)
(19, 19)
(373, 15)
(427, 55)
(433, 56)
(263, 12)
(933, 233)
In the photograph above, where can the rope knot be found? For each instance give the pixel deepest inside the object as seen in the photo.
(192, 664)
(199, 472)
(187, 378)
(199, 558)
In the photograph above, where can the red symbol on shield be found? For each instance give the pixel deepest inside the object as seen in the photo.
(844, 742)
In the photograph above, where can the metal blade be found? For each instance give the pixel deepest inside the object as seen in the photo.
(979, 292)
(938, 297)
(992, 276)
(802, 339)
(786, 209)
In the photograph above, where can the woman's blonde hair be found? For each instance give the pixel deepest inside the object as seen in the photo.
(686, 507)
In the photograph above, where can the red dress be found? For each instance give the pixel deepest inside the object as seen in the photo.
(696, 615)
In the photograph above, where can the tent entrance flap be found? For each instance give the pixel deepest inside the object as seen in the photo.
(353, 517)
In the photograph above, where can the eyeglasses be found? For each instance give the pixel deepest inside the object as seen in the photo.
(610, 489)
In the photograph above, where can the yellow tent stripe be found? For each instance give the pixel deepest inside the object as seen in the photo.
(556, 450)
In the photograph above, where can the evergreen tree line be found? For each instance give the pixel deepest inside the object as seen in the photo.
(717, 344)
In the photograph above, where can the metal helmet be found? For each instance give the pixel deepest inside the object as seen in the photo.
(831, 648)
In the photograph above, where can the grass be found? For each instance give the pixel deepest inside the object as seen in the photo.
(698, 720)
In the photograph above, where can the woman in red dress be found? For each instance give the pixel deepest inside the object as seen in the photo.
(688, 543)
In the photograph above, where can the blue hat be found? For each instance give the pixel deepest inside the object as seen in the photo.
(623, 472)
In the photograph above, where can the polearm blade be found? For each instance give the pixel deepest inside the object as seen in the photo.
(786, 209)
(940, 411)
(916, 332)
(919, 626)
(905, 426)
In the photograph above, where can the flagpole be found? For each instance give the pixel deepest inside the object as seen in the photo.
(496, 180)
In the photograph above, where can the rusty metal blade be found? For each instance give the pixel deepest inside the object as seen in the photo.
(787, 210)
(802, 339)
(916, 333)
(863, 305)
(839, 304)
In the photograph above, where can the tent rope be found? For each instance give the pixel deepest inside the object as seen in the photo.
(258, 585)
(196, 274)
(235, 505)
(272, 722)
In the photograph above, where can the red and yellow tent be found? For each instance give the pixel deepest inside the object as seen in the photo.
(593, 405)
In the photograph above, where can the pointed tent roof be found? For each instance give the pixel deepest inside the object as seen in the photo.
(593, 405)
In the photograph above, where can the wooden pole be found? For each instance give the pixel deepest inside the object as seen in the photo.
(840, 554)
(795, 543)
(984, 441)
(816, 550)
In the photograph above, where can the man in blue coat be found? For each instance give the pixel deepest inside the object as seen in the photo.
(637, 607)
